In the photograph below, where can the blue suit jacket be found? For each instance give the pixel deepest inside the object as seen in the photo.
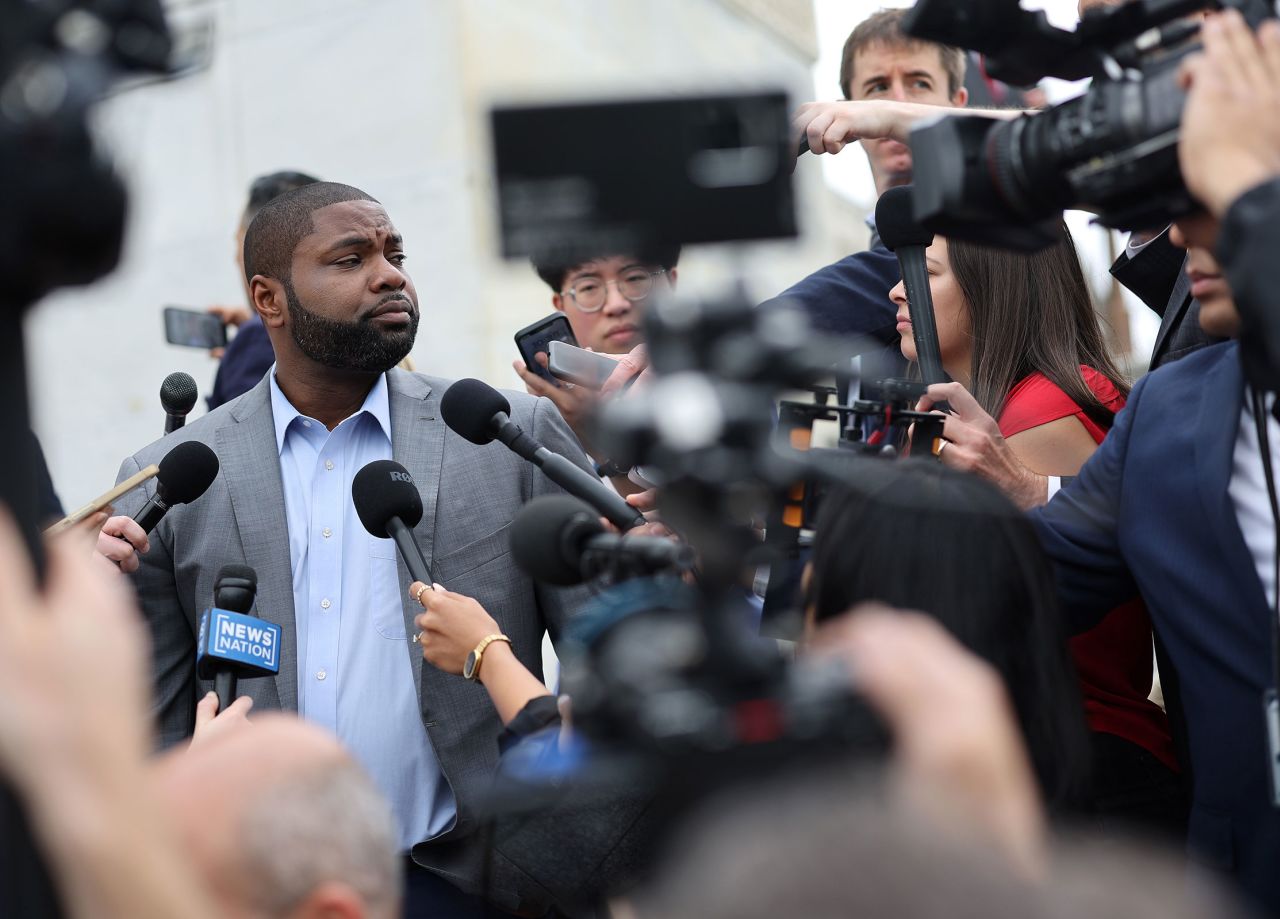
(1151, 508)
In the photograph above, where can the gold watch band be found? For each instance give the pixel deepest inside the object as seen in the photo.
(479, 652)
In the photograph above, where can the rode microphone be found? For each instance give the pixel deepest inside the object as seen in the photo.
(558, 539)
(479, 413)
(233, 642)
(178, 396)
(389, 505)
(907, 239)
(186, 472)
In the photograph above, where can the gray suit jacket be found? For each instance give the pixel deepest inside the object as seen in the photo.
(469, 495)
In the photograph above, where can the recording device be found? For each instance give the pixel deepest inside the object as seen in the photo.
(193, 328)
(1112, 151)
(232, 642)
(559, 540)
(185, 473)
(62, 222)
(389, 505)
(537, 337)
(178, 397)
(907, 239)
(577, 365)
(106, 499)
(709, 168)
(477, 412)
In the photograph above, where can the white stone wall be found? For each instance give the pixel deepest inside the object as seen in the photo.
(388, 95)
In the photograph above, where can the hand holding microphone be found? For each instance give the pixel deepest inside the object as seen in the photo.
(452, 626)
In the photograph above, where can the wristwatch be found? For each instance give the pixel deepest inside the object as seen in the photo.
(471, 667)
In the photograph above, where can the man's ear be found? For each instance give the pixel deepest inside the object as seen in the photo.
(961, 98)
(267, 297)
(673, 275)
(558, 302)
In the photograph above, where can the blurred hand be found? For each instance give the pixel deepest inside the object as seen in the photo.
(230, 315)
(1230, 135)
(211, 723)
(120, 541)
(958, 749)
(831, 126)
(634, 365)
(973, 443)
(451, 626)
(576, 403)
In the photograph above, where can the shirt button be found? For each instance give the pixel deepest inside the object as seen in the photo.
(306, 423)
(328, 464)
(326, 532)
(321, 674)
(325, 604)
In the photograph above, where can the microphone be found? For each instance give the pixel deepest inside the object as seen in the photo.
(559, 540)
(479, 413)
(389, 505)
(186, 472)
(178, 396)
(907, 239)
(233, 642)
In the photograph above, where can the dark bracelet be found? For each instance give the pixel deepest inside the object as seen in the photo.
(608, 469)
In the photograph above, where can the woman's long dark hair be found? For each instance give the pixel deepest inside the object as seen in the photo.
(1029, 312)
(917, 535)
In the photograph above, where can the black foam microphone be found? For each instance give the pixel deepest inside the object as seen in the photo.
(558, 539)
(178, 396)
(186, 472)
(479, 413)
(389, 505)
(907, 239)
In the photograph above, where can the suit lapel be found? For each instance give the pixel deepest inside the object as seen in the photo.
(417, 443)
(1175, 309)
(251, 469)
(1221, 401)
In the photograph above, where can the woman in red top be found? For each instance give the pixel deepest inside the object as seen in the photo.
(1020, 332)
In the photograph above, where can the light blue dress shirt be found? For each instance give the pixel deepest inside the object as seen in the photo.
(354, 671)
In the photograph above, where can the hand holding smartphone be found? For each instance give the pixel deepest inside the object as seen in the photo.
(538, 337)
(194, 328)
(576, 365)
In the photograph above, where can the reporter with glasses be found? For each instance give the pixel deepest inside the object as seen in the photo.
(1019, 331)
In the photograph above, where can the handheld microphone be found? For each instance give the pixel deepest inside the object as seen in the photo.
(186, 472)
(907, 239)
(559, 540)
(178, 396)
(479, 413)
(389, 505)
(233, 642)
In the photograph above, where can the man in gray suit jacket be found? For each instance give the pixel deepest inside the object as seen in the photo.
(326, 274)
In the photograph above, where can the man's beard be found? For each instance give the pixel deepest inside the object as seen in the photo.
(359, 345)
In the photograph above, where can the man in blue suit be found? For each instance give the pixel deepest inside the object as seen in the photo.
(1176, 503)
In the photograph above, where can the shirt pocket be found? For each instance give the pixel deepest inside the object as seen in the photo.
(385, 606)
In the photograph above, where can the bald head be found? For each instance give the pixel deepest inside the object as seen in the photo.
(278, 814)
(284, 221)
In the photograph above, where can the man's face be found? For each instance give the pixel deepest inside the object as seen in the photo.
(908, 73)
(352, 305)
(616, 327)
(1199, 234)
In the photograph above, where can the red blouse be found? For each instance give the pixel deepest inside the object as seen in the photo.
(1113, 659)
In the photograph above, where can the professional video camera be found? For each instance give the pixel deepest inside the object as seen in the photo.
(62, 214)
(1112, 151)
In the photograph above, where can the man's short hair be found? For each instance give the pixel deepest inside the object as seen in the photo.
(554, 272)
(885, 28)
(268, 187)
(330, 824)
(284, 221)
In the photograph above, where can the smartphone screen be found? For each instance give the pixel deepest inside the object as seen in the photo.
(536, 338)
(193, 328)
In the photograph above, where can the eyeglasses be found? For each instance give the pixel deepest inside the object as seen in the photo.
(589, 293)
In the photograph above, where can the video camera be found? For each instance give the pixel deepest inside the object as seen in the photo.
(1112, 151)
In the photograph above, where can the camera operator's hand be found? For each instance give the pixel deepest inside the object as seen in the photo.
(119, 542)
(957, 745)
(576, 403)
(1230, 137)
(972, 442)
(829, 127)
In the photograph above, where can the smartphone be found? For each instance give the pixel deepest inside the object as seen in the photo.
(193, 328)
(586, 368)
(538, 337)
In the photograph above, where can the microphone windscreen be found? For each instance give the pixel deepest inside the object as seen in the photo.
(896, 222)
(382, 490)
(178, 393)
(238, 572)
(468, 407)
(545, 536)
(235, 587)
(186, 472)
